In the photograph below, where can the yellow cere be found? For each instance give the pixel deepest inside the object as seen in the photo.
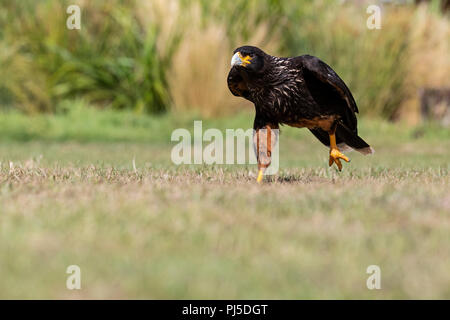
(245, 60)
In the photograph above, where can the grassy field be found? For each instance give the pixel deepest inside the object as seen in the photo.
(69, 195)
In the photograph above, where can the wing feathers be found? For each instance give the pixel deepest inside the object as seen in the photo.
(329, 91)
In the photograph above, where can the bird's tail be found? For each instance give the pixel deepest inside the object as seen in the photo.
(346, 139)
(349, 138)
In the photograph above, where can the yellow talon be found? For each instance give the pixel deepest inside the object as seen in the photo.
(335, 155)
(260, 176)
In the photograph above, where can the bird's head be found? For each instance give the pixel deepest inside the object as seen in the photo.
(248, 57)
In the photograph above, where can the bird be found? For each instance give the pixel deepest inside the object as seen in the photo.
(302, 92)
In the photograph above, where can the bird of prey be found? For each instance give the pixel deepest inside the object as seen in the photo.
(300, 92)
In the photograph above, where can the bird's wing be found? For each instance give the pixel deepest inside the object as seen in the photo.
(236, 84)
(328, 89)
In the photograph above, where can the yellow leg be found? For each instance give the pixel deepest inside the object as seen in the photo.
(260, 175)
(264, 143)
(335, 154)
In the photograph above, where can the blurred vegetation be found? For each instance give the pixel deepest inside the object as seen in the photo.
(112, 61)
(155, 56)
(83, 123)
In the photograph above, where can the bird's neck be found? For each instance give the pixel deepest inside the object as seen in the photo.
(278, 72)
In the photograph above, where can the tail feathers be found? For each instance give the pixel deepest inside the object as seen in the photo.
(365, 151)
(345, 138)
(352, 140)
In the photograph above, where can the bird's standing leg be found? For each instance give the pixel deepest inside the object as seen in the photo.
(264, 140)
(335, 154)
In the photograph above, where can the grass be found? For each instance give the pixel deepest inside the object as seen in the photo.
(156, 56)
(162, 231)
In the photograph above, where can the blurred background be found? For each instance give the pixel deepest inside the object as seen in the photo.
(86, 176)
(154, 57)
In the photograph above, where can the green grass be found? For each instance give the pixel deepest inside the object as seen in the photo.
(69, 195)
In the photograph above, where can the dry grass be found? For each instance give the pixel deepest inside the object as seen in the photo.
(429, 59)
(384, 68)
(211, 232)
(197, 76)
(160, 234)
(138, 54)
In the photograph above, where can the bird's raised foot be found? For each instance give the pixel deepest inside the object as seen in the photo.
(335, 155)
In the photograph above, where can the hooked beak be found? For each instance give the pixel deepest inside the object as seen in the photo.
(239, 60)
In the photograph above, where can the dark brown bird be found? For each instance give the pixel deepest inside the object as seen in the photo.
(300, 92)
